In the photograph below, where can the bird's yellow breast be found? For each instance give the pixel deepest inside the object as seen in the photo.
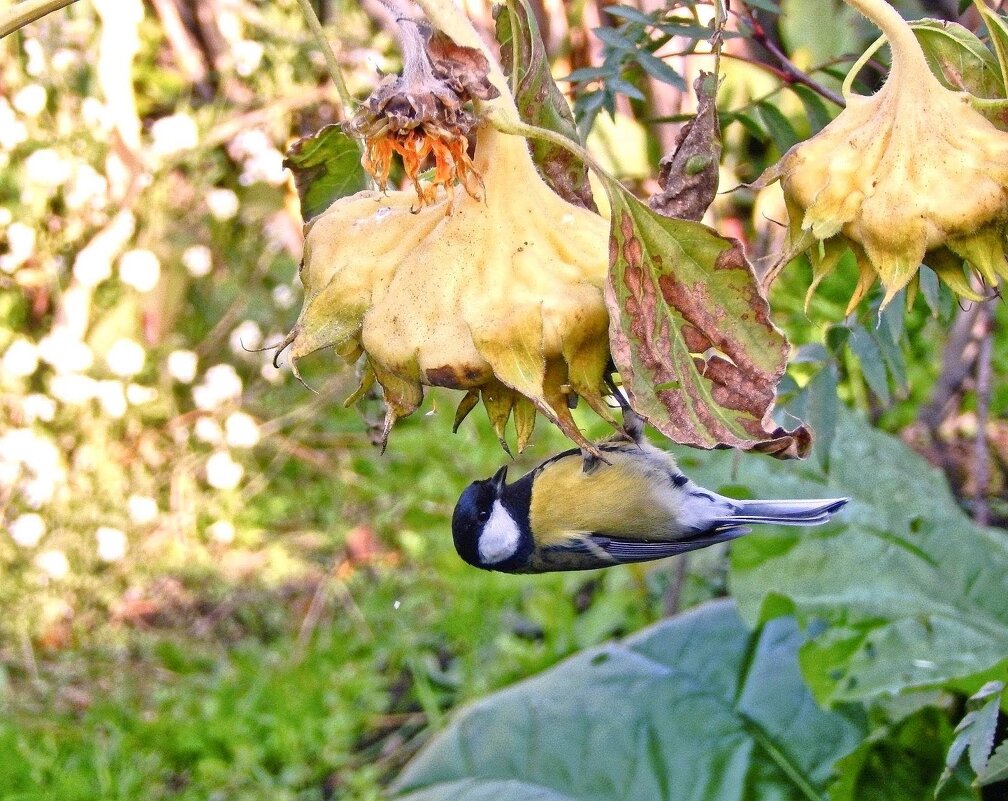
(631, 497)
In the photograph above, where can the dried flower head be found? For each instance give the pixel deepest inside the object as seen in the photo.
(911, 174)
(422, 113)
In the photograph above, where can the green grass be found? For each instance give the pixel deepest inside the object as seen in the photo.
(210, 693)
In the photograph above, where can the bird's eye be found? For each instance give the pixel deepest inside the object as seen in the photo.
(483, 516)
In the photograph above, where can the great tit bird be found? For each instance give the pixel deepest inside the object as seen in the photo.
(632, 504)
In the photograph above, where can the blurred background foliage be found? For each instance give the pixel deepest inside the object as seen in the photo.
(214, 587)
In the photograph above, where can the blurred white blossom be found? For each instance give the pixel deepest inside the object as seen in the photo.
(37, 406)
(111, 543)
(223, 203)
(33, 49)
(126, 357)
(182, 365)
(53, 563)
(138, 394)
(96, 115)
(208, 430)
(21, 359)
(93, 263)
(260, 159)
(20, 246)
(245, 336)
(112, 398)
(221, 531)
(12, 131)
(142, 509)
(241, 430)
(64, 58)
(30, 100)
(140, 269)
(223, 472)
(88, 187)
(283, 296)
(220, 385)
(73, 389)
(47, 168)
(248, 55)
(27, 529)
(197, 260)
(174, 134)
(64, 352)
(38, 491)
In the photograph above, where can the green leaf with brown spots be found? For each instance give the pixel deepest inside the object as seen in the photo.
(958, 58)
(326, 167)
(691, 335)
(540, 102)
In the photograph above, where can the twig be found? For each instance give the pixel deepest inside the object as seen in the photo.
(28, 11)
(790, 72)
(981, 454)
(330, 57)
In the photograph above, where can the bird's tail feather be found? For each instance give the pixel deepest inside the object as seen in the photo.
(784, 513)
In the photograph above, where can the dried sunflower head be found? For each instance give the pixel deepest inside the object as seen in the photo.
(496, 292)
(911, 174)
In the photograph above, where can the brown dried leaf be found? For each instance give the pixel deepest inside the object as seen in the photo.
(464, 69)
(689, 175)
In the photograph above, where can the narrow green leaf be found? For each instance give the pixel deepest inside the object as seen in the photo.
(755, 128)
(624, 87)
(659, 70)
(615, 39)
(589, 74)
(326, 167)
(821, 411)
(781, 131)
(815, 109)
(869, 356)
(632, 14)
(930, 289)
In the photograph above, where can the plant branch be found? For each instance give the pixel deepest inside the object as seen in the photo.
(28, 11)
(981, 454)
(790, 73)
(330, 57)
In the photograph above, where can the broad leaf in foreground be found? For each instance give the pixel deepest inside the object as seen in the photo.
(902, 591)
(691, 335)
(696, 707)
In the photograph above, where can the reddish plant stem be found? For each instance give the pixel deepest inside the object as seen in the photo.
(789, 73)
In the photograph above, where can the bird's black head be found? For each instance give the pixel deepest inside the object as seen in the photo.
(486, 531)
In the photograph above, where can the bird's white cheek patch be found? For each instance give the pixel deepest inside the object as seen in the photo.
(499, 540)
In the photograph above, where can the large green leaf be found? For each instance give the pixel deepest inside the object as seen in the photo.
(691, 334)
(697, 707)
(540, 102)
(902, 592)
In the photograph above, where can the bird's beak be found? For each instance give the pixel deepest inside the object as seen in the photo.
(499, 479)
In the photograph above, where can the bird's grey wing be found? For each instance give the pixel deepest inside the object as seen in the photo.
(601, 550)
